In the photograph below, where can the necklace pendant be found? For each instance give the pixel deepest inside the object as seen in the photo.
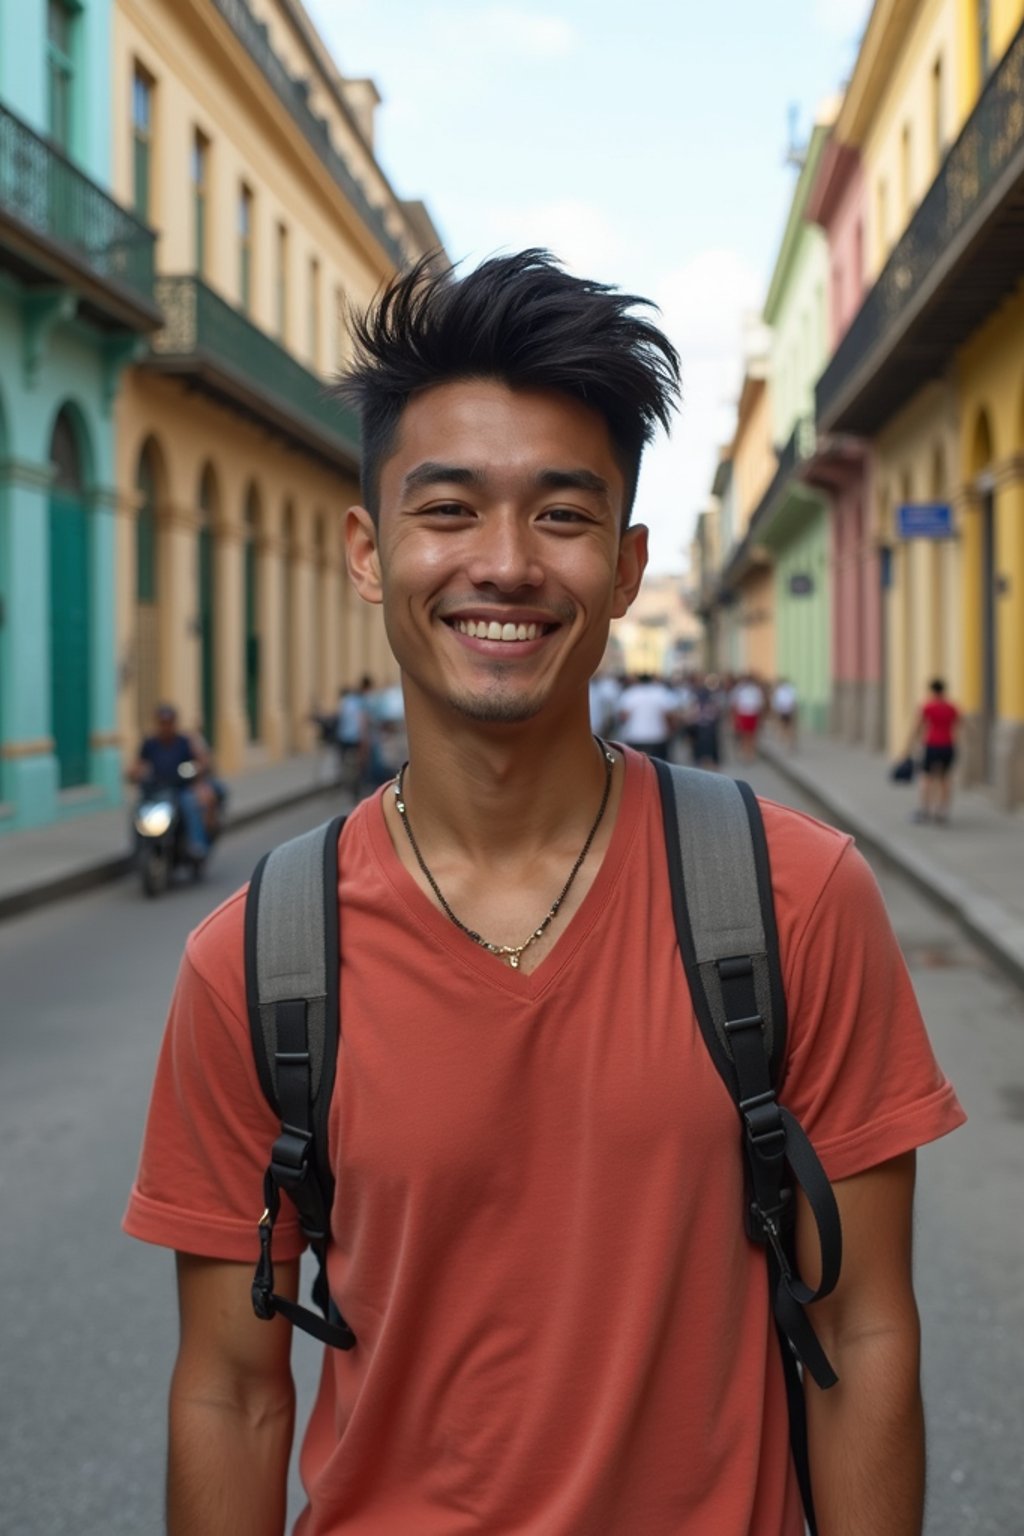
(513, 959)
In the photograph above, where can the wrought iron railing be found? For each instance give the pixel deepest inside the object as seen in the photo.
(798, 448)
(991, 138)
(292, 92)
(199, 324)
(45, 192)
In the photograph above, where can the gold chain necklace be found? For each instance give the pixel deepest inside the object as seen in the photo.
(512, 951)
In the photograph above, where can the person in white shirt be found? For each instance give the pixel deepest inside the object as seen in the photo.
(748, 703)
(784, 703)
(648, 715)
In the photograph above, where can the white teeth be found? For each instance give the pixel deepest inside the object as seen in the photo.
(481, 629)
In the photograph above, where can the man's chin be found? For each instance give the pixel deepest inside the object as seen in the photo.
(496, 709)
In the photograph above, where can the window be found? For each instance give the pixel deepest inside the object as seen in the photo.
(314, 312)
(142, 127)
(200, 173)
(938, 116)
(340, 328)
(281, 283)
(984, 14)
(245, 247)
(60, 69)
(906, 174)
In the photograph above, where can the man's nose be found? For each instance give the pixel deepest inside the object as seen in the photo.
(505, 553)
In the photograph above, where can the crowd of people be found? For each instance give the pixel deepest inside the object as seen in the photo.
(689, 716)
(364, 739)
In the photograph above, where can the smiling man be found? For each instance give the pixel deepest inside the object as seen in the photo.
(537, 1234)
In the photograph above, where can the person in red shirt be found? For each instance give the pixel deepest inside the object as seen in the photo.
(936, 730)
(537, 1237)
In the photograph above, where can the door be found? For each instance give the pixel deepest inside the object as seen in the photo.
(206, 635)
(989, 705)
(69, 633)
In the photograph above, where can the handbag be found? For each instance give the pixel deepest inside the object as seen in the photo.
(903, 771)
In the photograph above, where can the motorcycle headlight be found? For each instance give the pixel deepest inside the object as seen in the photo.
(153, 820)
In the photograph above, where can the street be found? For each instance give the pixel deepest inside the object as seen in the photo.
(90, 1323)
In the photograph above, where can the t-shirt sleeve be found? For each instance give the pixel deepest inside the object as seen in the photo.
(209, 1133)
(861, 1076)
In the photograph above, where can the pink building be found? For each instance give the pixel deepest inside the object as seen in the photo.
(842, 469)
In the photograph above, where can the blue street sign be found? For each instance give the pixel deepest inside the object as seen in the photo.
(924, 520)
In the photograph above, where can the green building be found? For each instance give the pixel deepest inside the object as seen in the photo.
(76, 295)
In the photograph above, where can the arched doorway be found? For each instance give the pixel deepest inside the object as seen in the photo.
(148, 478)
(208, 507)
(251, 616)
(319, 575)
(982, 459)
(70, 605)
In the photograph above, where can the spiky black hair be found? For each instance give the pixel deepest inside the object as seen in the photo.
(520, 319)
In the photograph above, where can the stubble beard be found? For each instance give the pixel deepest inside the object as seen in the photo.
(498, 707)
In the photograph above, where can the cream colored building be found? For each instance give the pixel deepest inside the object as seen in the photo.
(660, 634)
(237, 138)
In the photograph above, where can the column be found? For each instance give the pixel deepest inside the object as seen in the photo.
(300, 692)
(104, 738)
(27, 759)
(1008, 744)
(178, 597)
(232, 730)
(270, 577)
(973, 755)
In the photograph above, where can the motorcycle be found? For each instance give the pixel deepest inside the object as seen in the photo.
(161, 842)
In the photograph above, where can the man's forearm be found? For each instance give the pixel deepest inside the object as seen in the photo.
(227, 1465)
(867, 1441)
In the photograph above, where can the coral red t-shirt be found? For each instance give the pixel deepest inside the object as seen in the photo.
(538, 1239)
(940, 718)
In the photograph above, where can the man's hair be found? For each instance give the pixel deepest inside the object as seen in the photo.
(525, 322)
(937, 685)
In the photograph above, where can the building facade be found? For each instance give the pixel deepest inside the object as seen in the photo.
(76, 303)
(238, 139)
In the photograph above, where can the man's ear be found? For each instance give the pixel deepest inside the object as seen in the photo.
(361, 554)
(630, 567)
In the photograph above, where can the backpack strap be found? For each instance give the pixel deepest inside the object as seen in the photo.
(292, 963)
(720, 879)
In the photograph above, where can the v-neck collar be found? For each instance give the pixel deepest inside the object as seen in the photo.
(462, 951)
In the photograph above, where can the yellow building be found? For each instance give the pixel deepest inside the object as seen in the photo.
(239, 141)
(747, 588)
(929, 370)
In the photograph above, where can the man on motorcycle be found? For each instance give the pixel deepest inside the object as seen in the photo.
(160, 757)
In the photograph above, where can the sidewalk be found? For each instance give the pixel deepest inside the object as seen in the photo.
(973, 868)
(67, 856)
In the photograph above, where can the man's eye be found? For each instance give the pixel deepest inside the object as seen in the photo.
(447, 509)
(564, 515)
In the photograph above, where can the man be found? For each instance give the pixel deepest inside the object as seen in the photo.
(537, 1236)
(160, 757)
(648, 713)
(784, 703)
(748, 707)
(936, 729)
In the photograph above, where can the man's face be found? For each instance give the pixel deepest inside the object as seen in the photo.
(166, 726)
(499, 557)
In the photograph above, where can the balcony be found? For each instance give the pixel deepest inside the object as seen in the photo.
(961, 255)
(748, 552)
(291, 92)
(59, 229)
(220, 353)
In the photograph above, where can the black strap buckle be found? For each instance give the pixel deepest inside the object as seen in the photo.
(289, 1158)
(763, 1120)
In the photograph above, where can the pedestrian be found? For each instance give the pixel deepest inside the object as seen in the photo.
(748, 706)
(935, 730)
(705, 725)
(784, 708)
(648, 713)
(536, 1231)
(352, 734)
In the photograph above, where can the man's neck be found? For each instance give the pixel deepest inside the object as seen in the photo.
(501, 792)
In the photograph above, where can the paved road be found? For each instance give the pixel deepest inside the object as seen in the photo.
(89, 1325)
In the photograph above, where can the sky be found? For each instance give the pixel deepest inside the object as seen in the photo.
(644, 143)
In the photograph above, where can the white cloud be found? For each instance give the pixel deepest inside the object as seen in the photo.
(844, 20)
(703, 308)
(582, 235)
(502, 31)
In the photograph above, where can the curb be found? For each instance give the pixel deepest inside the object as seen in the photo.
(106, 870)
(985, 921)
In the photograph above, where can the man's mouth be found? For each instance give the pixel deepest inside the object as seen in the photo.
(494, 629)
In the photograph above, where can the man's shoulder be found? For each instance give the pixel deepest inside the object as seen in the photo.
(215, 949)
(804, 854)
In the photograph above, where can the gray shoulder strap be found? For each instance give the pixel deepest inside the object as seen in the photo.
(716, 893)
(286, 948)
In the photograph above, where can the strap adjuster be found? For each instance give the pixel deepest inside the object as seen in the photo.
(289, 1158)
(763, 1120)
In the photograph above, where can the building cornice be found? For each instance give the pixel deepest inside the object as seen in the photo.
(884, 36)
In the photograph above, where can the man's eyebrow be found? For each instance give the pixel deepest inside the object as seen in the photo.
(430, 472)
(573, 480)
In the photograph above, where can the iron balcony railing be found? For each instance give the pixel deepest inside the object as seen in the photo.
(233, 360)
(253, 35)
(41, 191)
(799, 448)
(978, 171)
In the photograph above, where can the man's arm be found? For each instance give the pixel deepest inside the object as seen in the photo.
(232, 1405)
(866, 1435)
